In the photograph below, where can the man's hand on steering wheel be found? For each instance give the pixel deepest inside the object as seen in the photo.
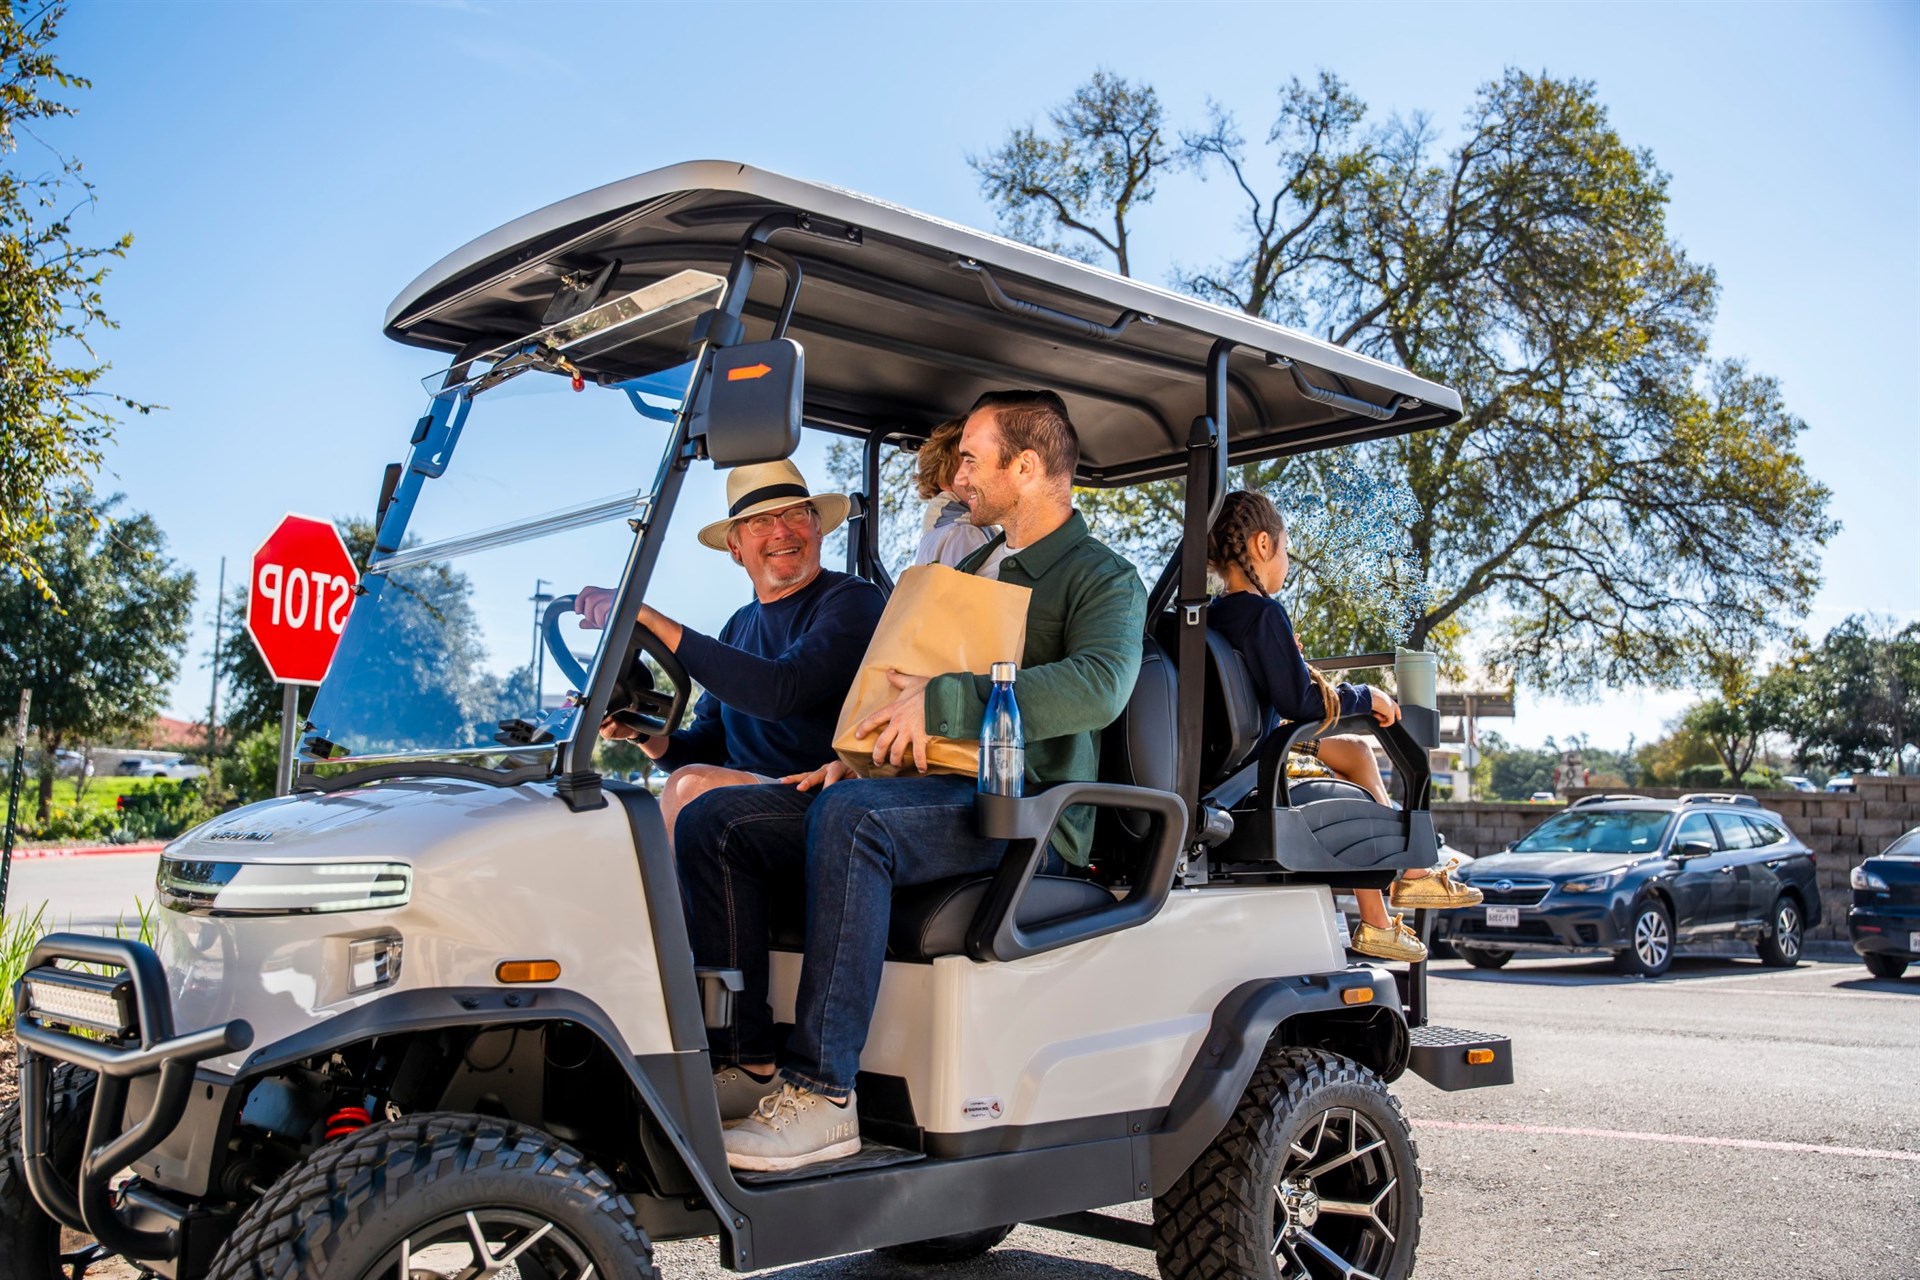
(595, 607)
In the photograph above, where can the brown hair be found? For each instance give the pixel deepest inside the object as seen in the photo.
(1035, 420)
(939, 458)
(1243, 515)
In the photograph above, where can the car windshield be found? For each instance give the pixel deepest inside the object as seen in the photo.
(443, 653)
(1597, 831)
(1907, 846)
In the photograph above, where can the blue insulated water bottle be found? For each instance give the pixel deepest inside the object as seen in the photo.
(1003, 747)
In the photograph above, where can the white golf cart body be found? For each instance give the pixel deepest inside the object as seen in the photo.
(1023, 1065)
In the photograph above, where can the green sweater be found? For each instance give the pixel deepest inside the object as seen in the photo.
(1085, 621)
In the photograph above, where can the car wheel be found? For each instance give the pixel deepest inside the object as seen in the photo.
(1484, 957)
(1781, 947)
(1316, 1173)
(1884, 966)
(944, 1249)
(1649, 950)
(30, 1242)
(439, 1194)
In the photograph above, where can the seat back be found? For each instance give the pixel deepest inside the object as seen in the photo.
(1138, 749)
(1232, 717)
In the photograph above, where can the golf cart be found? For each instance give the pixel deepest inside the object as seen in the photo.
(436, 1011)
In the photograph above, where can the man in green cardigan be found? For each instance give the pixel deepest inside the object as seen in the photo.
(847, 843)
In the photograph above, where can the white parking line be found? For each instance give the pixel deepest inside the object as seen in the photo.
(1682, 1139)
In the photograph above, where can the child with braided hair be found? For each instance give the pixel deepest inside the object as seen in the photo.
(1247, 548)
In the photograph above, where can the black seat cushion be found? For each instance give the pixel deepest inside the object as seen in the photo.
(931, 920)
(1233, 719)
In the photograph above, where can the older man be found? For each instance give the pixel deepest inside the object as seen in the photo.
(856, 840)
(779, 669)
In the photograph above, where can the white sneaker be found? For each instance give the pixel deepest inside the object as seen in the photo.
(740, 1093)
(792, 1129)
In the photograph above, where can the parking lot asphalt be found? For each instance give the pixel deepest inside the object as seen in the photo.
(1726, 1120)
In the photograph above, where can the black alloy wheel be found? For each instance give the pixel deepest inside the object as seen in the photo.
(440, 1197)
(1649, 950)
(1483, 957)
(1881, 965)
(32, 1245)
(1780, 947)
(1315, 1177)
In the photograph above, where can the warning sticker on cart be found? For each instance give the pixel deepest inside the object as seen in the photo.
(984, 1109)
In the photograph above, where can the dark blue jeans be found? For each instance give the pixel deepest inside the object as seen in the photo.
(845, 849)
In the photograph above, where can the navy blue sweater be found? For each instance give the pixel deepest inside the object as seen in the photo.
(775, 678)
(1258, 627)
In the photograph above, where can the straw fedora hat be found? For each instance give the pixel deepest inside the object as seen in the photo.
(772, 486)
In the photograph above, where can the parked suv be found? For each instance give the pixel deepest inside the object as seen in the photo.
(1885, 920)
(1636, 876)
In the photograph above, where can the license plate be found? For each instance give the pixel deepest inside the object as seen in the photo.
(1913, 942)
(1503, 917)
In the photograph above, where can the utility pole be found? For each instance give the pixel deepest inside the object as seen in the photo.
(13, 792)
(213, 697)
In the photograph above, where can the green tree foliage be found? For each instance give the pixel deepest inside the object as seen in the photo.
(1853, 700)
(1602, 494)
(55, 416)
(98, 637)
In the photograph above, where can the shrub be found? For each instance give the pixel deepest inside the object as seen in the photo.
(163, 809)
(1704, 775)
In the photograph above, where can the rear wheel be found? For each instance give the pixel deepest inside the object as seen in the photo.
(1781, 947)
(1483, 957)
(1884, 966)
(944, 1249)
(31, 1244)
(1649, 951)
(439, 1196)
(1315, 1176)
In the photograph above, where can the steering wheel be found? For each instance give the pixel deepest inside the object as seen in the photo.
(636, 703)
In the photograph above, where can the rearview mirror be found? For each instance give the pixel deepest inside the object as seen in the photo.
(1691, 849)
(753, 396)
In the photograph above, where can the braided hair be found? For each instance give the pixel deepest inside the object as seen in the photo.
(1245, 514)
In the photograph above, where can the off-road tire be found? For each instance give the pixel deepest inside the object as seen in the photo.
(1217, 1221)
(1786, 936)
(349, 1205)
(29, 1239)
(1658, 958)
(1483, 957)
(1884, 966)
(944, 1249)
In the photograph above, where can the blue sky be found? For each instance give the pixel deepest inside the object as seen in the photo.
(286, 168)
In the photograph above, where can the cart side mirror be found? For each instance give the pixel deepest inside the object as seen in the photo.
(753, 395)
(1691, 849)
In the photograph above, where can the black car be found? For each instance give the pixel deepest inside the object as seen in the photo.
(1636, 876)
(1885, 919)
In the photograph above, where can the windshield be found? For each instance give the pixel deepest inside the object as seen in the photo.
(1907, 846)
(1626, 831)
(444, 652)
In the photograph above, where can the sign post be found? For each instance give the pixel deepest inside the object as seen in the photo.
(13, 792)
(298, 599)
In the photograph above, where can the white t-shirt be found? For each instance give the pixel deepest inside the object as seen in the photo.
(991, 569)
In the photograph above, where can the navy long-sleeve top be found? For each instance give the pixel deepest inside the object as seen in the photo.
(775, 678)
(1259, 629)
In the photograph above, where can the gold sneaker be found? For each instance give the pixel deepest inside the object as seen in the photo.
(1395, 942)
(1438, 891)
(792, 1129)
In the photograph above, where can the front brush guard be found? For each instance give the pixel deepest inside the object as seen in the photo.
(89, 1206)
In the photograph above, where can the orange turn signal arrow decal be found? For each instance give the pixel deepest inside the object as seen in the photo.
(746, 372)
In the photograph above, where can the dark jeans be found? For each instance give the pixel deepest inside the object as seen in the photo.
(845, 849)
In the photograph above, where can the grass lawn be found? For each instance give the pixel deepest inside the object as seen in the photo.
(102, 792)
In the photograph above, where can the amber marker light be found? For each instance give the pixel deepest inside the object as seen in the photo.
(1479, 1057)
(527, 970)
(1357, 995)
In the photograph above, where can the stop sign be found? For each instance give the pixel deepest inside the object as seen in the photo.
(297, 604)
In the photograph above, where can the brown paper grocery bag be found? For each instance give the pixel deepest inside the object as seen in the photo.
(937, 620)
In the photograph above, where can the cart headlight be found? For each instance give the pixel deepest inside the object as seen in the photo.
(1865, 881)
(1594, 884)
(76, 998)
(201, 887)
(373, 963)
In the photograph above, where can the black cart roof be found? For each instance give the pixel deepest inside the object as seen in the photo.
(900, 328)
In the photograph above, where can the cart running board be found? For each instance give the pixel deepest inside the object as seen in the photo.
(873, 1155)
(1450, 1058)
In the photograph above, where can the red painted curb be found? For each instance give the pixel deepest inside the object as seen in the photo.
(85, 850)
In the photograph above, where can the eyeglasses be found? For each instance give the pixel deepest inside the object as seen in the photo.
(766, 522)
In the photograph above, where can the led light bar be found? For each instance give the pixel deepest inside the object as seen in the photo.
(76, 998)
(199, 887)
